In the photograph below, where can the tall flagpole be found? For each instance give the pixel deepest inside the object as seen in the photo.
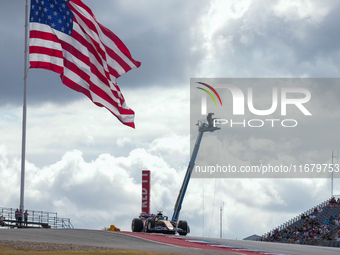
(24, 113)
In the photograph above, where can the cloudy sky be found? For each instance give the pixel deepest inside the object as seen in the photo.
(84, 164)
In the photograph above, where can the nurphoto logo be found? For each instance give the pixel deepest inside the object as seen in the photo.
(295, 96)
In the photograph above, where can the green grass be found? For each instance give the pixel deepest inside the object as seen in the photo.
(8, 250)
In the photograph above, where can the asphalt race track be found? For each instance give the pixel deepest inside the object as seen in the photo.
(159, 243)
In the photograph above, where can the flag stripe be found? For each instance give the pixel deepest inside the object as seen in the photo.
(86, 65)
(76, 85)
(90, 26)
(44, 36)
(125, 119)
(75, 74)
(89, 57)
(121, 47)
(85, 43)
(45, 58)
(119, 44)
(111, 59)
(46, 51)
(45, 44)
(46, 65)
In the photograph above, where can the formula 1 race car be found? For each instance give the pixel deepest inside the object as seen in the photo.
(152, 223)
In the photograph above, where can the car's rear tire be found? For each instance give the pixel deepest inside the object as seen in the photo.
(150, 223)
(183, 225)
(137, 225)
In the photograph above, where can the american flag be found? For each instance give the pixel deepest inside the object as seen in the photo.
(66, 38)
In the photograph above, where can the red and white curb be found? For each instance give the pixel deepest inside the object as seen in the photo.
(197, 244)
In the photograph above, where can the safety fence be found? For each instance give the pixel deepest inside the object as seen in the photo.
(35, 218)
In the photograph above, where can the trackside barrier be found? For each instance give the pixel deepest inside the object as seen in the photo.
(49, 218)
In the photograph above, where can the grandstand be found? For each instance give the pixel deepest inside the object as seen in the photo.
(317, 226)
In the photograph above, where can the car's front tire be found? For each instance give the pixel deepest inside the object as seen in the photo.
(150, 223)
(183, 225)
(137, 225)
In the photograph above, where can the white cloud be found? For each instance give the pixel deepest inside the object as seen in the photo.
(311, 11)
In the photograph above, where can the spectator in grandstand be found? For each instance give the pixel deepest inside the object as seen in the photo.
(331, 220)
(17, 216)
(333, 201)
(337, 237)
(320, 210)
(327, 221)
(316, 210)
(25, 217)
(337, 221)
(20, 216)
(2, 218)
